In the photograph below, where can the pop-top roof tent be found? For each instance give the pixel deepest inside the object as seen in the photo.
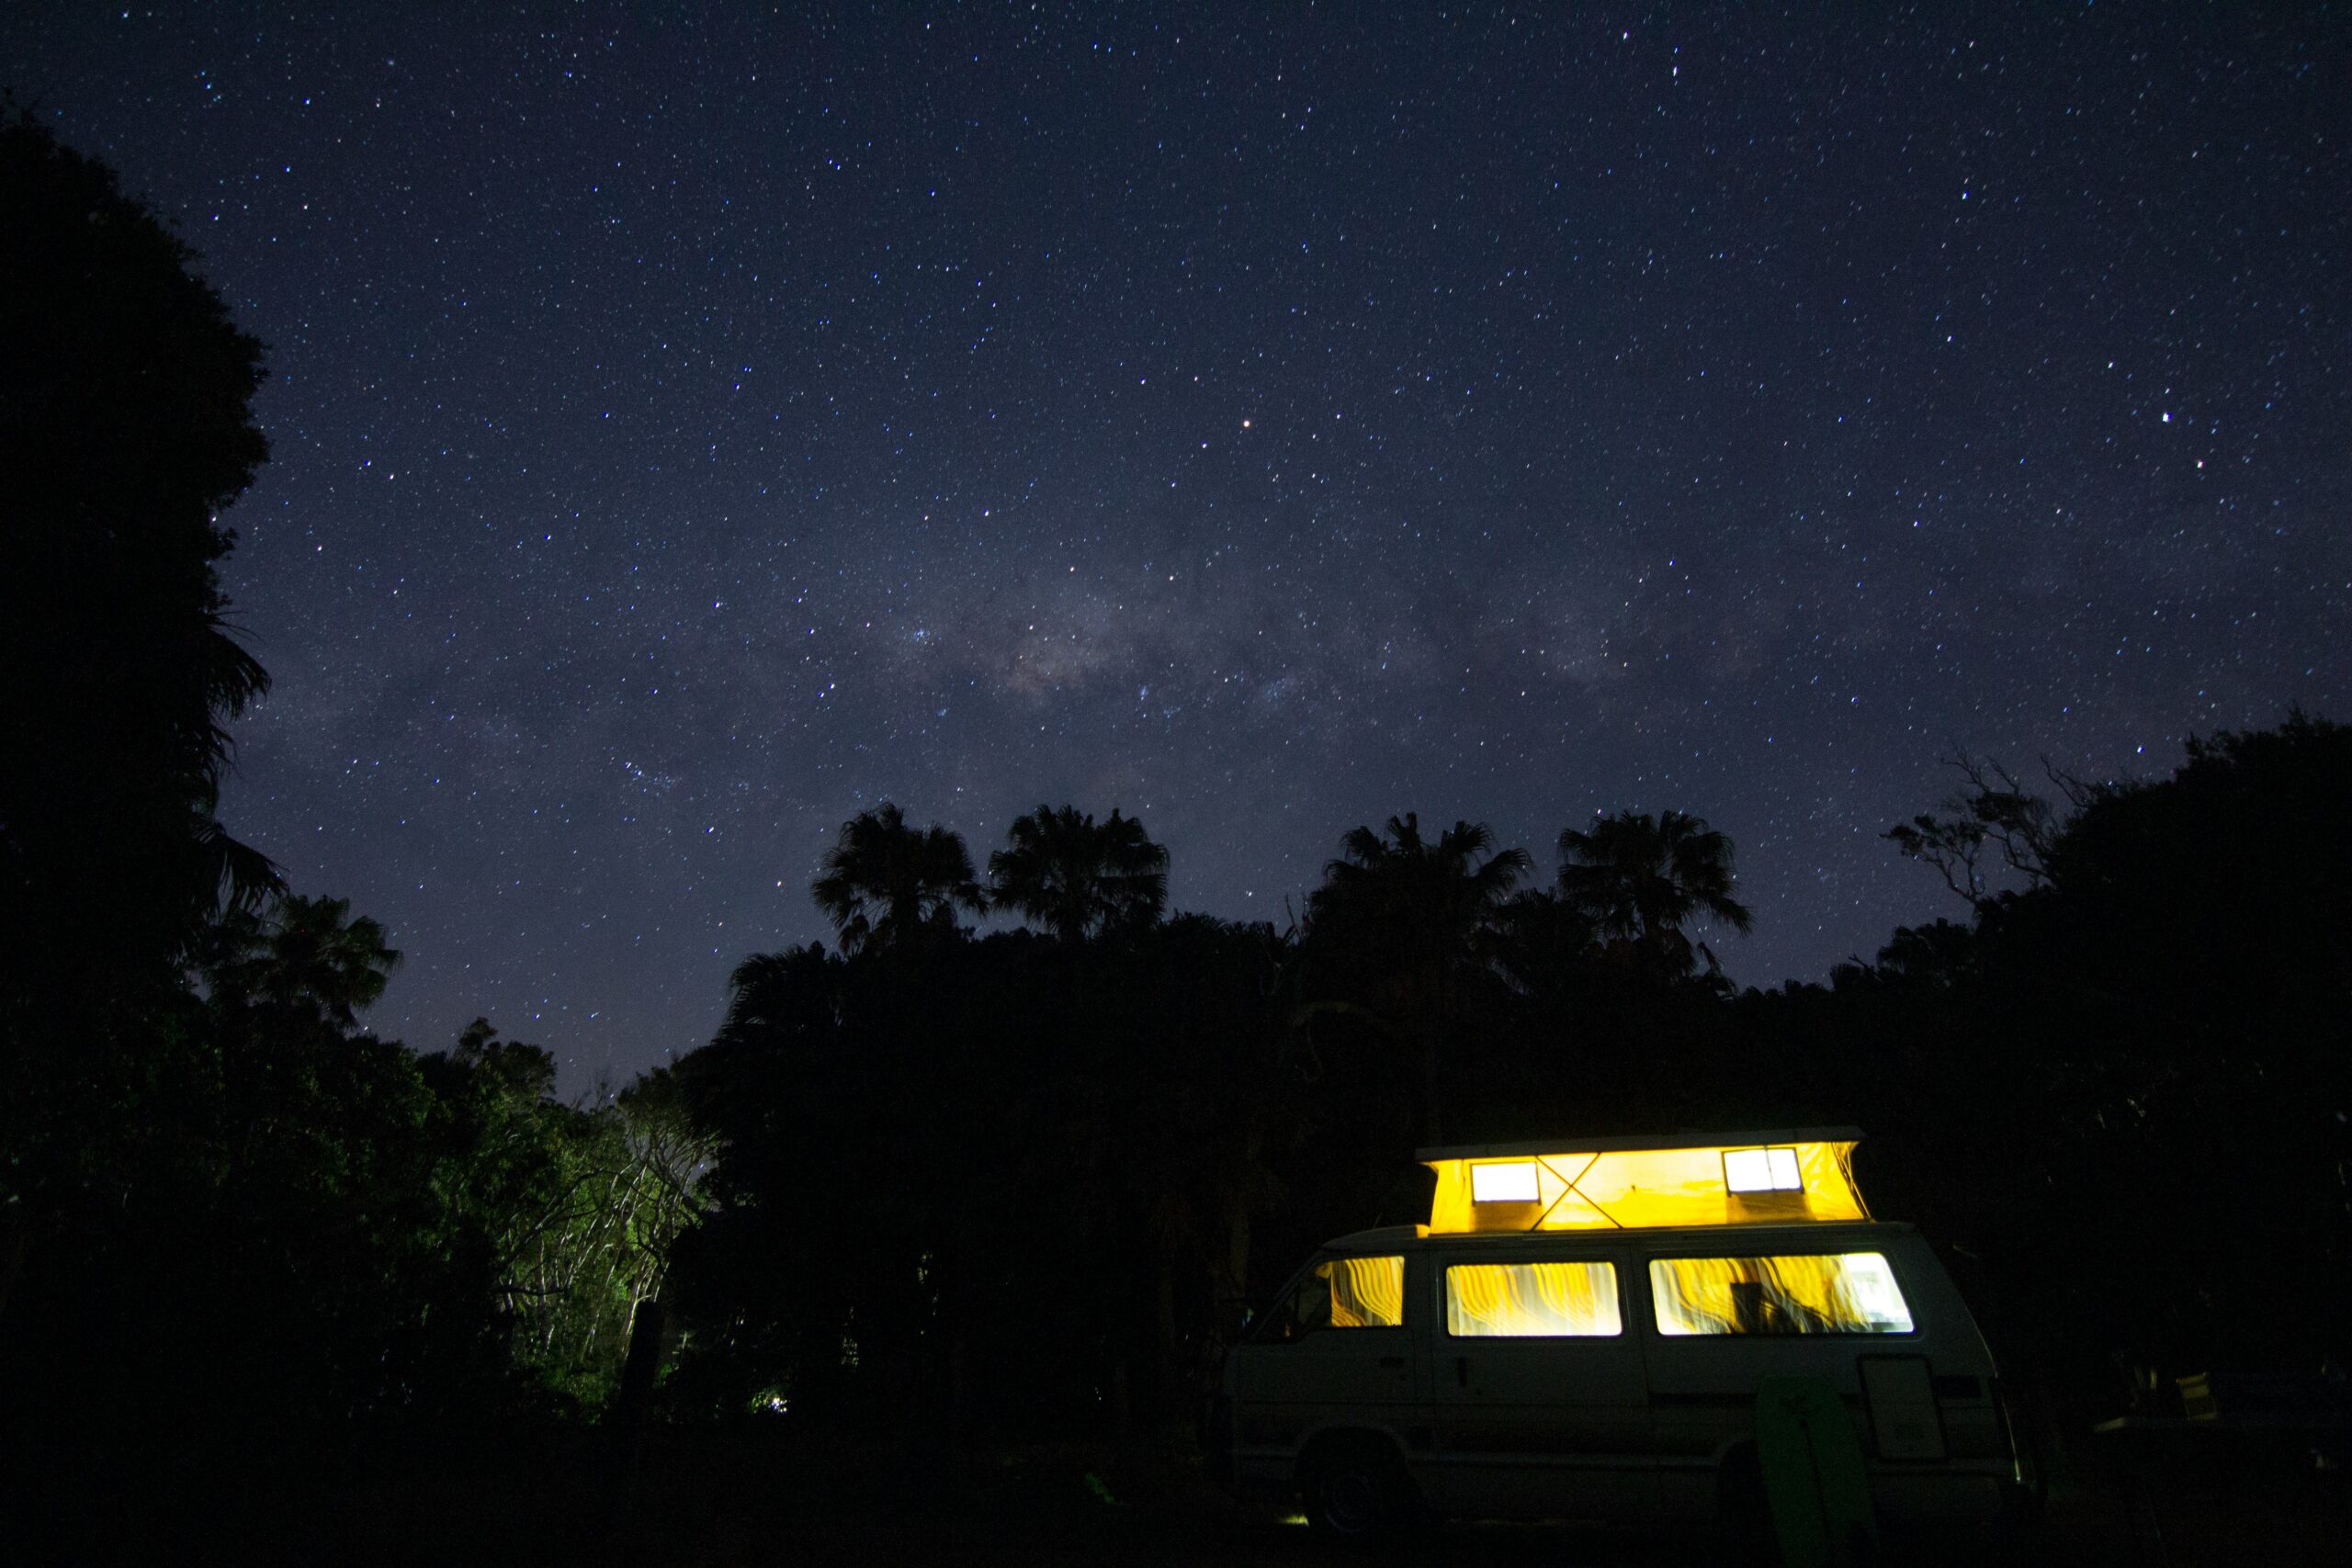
(1779, 1178)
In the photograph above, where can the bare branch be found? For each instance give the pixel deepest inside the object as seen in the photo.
(1995, 815)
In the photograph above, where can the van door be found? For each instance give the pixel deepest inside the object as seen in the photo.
(1540, 1406)
(1723, 1321)
(1335, 1352)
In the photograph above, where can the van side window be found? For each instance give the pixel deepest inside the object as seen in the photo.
(1852, 1293)
(1531, 1301)
(1366, 1292)
(1342, 1292)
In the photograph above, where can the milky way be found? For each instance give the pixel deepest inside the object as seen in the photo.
(688, 432)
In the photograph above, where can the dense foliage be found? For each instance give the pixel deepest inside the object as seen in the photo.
(296, 1243)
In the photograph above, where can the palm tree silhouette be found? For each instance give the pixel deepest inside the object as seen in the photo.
(1415, 919)
(1540, 943)
(1640, 879)
(778, 997)
(301, 956)
(1077, 878)
(1443, 894)
(886, 884)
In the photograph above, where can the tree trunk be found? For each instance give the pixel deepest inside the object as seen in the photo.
(15, 1237)
(637, 1373)
(1164, 1369)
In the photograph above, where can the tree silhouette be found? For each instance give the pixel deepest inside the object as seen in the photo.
(1412, 919)
(1540, 943)
(2142, 1042)
(1445, 889)
(1640, 879)
(304, 954)
(1993, 819)
(886, 884)
(1063, 871)
(778, 998)
(125, 428)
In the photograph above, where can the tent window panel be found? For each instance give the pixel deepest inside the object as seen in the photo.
(1531, 1301)
(1852, 1293)
(1365, 1292)
(1762, 1170)
(1513, 1183)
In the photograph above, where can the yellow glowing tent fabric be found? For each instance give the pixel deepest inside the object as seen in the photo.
(1637, 1183)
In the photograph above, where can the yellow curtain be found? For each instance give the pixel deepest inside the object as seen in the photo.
(1531, 1300)
(1852, 1293)
(1366, 1292)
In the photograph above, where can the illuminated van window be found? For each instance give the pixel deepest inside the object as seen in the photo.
(1531, 1301)
(1366, 1292)
(1513, 1183)
(1761, 1170)
(1852, 1293)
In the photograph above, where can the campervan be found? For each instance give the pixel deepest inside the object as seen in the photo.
(1580, 1332)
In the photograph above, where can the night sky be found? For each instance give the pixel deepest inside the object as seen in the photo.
(691, 427)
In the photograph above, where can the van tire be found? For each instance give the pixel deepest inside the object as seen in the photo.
(1355, 1488)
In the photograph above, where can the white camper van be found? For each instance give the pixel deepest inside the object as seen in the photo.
(1579, 1333)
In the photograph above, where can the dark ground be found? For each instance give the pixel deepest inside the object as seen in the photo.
(765, 1492)
(777, 1495)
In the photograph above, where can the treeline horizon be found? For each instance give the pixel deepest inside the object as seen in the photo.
(1227, 1094)
(964, 1189)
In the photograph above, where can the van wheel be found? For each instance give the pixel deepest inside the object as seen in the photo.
(1356, 1489)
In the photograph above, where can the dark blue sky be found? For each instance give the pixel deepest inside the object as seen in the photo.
(691, 430)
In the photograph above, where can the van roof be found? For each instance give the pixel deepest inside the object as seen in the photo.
(1803, 1233)
(1682, 1140)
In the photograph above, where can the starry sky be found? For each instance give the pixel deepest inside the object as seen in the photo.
(694, 424)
